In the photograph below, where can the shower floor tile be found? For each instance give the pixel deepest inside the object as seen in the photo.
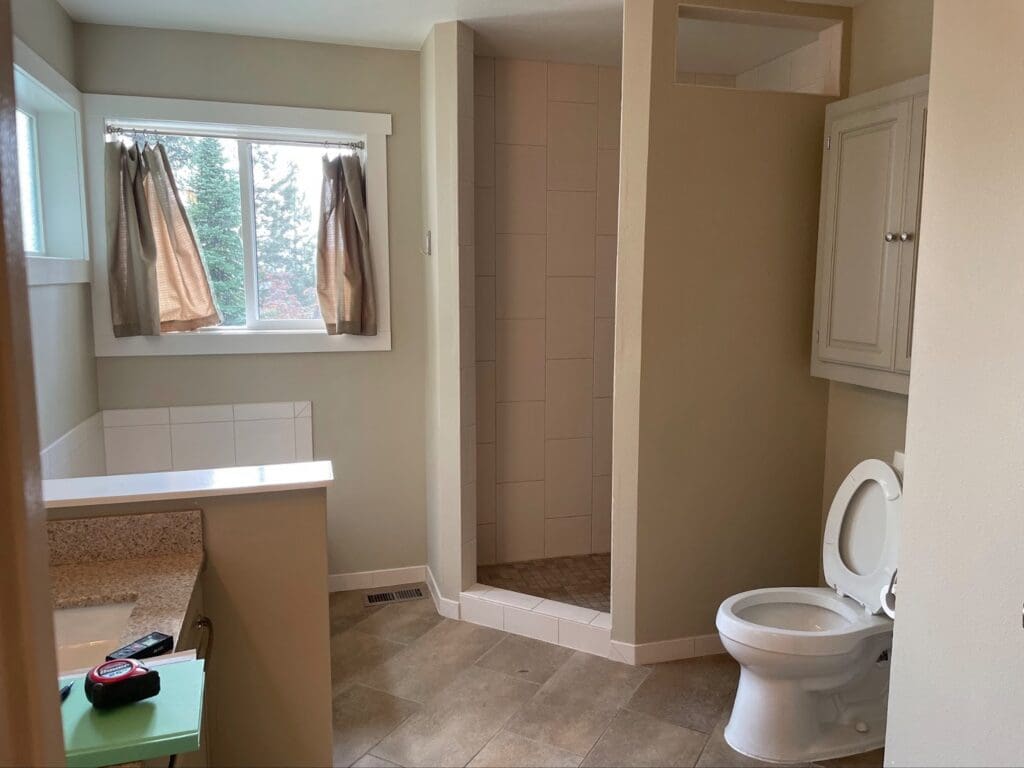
(583, 580)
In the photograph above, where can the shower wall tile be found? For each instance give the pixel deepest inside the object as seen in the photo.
(520, 445)
(520, 183)
(570, 317)
(604, 285)
(520, 98)
(568, 404)
(568, 477)
(485, 401)
(572, 227)
(546, 141)
(519, 263)
(609, 101)
(572, 82)
(572, 146)
(519, 373)
(484, 240)
(566, 536)
(607, 191)
(199, 446)
(520, 527)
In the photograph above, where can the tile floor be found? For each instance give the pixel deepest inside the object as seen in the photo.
(583, 580)
(414, 689)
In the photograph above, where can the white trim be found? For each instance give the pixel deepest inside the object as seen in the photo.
(667, 650)
(450, 609)
(40, 70)
(388, 577)
(48, 270)
(250, 120)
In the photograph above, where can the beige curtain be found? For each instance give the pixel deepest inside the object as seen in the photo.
(158, 281)
(344, 272)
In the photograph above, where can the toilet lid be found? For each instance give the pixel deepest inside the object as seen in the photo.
(862, 533)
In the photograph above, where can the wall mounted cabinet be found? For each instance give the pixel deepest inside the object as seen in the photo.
(868, 236)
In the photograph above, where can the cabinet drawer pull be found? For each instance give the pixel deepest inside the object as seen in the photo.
(906, 236)
(890, 237)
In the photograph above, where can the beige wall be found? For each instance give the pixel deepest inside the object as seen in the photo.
(957, 662)
(367, 408)
(891, 43)
(61, 315)
(547, 192)
(731, 427)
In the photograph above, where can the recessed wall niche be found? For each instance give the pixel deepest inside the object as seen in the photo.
(753, 51)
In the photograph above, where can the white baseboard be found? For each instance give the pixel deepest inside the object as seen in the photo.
(667, 650)
(389, 577)
(447, 608)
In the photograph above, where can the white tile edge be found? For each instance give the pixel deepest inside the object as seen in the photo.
(668, 650)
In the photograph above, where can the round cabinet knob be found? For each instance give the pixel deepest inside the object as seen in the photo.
(906, 236)
(890, 237)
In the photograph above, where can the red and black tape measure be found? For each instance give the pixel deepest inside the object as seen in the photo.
(121, 681)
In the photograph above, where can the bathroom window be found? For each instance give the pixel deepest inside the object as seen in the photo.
(254, 209)
(28, 183)
(50, 172)
(249, 177)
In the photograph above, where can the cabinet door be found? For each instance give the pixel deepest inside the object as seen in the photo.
(911, 229)
(864, 202)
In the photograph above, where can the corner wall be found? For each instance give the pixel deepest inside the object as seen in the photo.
(957, 663)
(891, 43)
(729, 425)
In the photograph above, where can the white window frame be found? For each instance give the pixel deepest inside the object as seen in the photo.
(49, 268)
(248, 123)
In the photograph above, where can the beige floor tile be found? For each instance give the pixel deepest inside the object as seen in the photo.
(402, 622)
(362, 717)
(347, 610)
(372, 761)
(574, 707)
(635, 739)
(692, 693)
(525, 658)
(458, 721)
(430, 663)
(510, 750)
(354, 652)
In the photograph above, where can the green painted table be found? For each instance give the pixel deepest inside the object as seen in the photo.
(167, 724)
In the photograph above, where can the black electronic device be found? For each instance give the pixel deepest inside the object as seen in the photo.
(153, 644)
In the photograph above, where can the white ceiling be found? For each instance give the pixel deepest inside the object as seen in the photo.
(559, 30)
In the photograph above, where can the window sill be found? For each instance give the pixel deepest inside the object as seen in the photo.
(49, 270)
(240, 342)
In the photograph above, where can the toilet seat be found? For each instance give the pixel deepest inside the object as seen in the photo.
(862, 534)
(764, 619)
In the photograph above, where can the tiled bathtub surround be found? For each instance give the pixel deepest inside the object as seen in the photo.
(546, 143)
(206, 436)
(77, 453)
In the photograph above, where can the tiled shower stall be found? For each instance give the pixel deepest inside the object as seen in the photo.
(546, 142)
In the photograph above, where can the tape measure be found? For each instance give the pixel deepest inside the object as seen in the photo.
(121, 681)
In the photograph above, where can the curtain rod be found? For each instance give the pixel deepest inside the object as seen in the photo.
(118, 130)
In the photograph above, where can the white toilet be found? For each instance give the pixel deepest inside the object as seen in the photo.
(814, 662)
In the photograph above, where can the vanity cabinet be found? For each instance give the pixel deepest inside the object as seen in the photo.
(868, 236)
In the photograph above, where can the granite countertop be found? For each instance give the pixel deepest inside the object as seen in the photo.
(154, 561)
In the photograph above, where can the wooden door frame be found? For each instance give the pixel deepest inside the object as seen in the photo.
(30, 724)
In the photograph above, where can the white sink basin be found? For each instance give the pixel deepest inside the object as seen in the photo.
(84, 636)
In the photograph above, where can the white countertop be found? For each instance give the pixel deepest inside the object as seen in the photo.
(191, 484)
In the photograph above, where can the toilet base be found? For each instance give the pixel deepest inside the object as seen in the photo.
(781, 721)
